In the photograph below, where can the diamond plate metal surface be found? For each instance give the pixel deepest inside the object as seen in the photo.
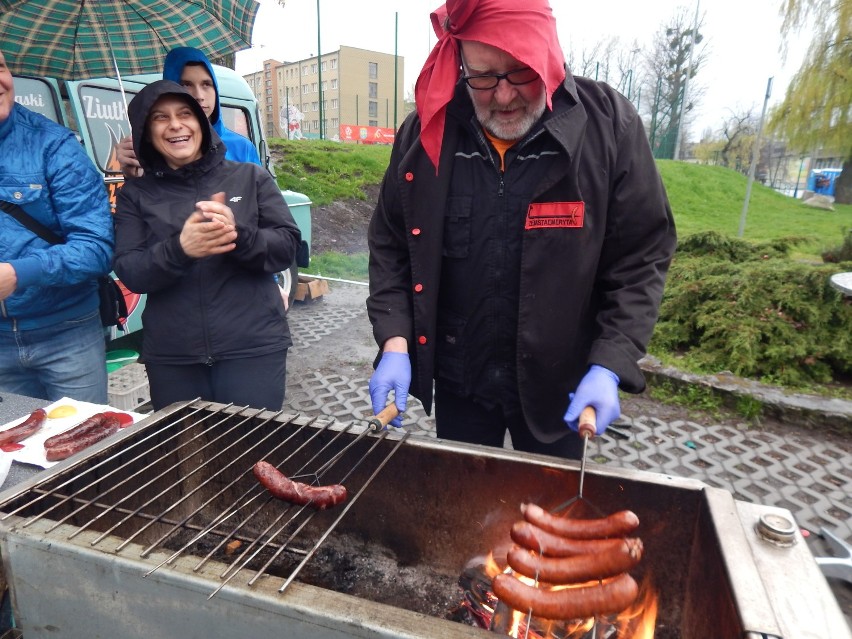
(799, 472)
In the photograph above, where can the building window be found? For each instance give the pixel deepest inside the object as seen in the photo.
(314, 67)
(323, 86)
(334, 104)
(374, 70)
(305, 70)
(315, 106)
(322, 66)
(335, 123)
(334, 83)
(374, 90)
(305, 89)
(373, 123)
(314, 87)
(334, 63)
(373, 110)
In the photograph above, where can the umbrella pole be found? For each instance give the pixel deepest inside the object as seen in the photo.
(114, 62)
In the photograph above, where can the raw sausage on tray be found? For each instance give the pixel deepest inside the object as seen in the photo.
(284, 488)
(82, 439)
(617, 524)
(26, 428)
(568, 603)
(577, 569)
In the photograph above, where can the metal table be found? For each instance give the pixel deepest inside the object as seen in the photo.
(842, 282)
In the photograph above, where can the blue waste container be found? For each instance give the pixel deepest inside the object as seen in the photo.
(822, 181)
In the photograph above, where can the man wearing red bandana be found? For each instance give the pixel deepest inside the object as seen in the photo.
(521, 240)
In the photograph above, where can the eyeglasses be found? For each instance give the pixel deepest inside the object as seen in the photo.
(486, 81)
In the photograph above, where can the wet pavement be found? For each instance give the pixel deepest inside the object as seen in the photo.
(797, 469)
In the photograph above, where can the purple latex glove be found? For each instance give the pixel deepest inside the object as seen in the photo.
(598, 389)
(392, 374)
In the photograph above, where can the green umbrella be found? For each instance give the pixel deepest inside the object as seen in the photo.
(77, 39)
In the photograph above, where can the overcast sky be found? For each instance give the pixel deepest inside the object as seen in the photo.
(742, 38)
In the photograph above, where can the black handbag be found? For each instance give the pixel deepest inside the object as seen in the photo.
(113, 308)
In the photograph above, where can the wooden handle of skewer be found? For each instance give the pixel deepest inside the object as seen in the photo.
(588, 422)
(380, 421)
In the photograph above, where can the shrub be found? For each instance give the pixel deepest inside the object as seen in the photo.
(749, 309)
(842, 253)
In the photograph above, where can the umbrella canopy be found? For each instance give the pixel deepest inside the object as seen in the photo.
(77, 39)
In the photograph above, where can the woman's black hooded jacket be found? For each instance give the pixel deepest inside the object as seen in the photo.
(200, 310)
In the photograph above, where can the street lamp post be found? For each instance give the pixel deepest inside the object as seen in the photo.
(755, 154)
(319, 71)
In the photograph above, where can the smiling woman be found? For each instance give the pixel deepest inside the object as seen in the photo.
(202, 237)
(175, 131)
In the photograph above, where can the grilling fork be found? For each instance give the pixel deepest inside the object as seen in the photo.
(586, 429)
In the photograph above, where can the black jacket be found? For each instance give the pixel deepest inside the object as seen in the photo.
(586, 295)
(219, 307)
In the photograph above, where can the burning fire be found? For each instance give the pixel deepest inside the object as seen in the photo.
(480, 607)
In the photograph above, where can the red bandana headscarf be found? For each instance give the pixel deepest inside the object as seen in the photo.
(526, 30)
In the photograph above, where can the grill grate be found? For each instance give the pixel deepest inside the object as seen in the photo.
(184, 483)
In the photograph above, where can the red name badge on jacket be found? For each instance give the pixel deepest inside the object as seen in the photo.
(555, 215)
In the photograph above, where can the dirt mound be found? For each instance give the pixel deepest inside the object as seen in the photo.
(342, 226)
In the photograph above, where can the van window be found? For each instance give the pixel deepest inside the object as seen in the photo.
(236, 119)
(37, 96)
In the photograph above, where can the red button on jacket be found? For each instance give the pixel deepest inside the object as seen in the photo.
(409, 177)
(422, 339)
(418, 288)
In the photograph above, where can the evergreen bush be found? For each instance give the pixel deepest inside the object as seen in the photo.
(749, 309)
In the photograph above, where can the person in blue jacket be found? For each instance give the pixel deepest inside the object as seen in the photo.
(51, 338)
(191, 69)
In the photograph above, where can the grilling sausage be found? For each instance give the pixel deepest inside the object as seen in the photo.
(83, 440)
(617, 524)
(532, 537)
(577, 569)
(95, 421)
(284, 488)
(569, 603)
(26, 428)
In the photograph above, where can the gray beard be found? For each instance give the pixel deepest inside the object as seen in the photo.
(512, 132)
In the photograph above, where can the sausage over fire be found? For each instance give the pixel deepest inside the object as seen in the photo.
(26, 428)
(534, 538)
(567, 603)
(572, 570)
(295, 492)
(95, 421)
(617, 524)
(83, 440)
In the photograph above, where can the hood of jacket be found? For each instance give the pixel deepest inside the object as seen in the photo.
(176, 60)
(139, 109)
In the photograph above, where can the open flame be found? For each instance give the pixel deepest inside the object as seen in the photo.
(482, 608)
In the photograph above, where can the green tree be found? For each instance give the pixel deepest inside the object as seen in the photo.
(665, 80)
(817, 108)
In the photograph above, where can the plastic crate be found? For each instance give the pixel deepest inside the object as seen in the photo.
(128, 387)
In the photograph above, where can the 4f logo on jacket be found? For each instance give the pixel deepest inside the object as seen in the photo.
(555, 215)
(236, 198)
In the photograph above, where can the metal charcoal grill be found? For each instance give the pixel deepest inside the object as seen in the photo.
(162, 531)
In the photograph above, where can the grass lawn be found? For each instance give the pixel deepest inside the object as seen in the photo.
(703, 198)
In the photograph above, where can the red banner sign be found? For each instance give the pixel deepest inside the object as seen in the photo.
(366, 134)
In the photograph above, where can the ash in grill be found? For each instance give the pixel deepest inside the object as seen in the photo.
(166, 530)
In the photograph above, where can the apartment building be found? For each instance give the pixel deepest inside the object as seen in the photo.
(358, 87)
